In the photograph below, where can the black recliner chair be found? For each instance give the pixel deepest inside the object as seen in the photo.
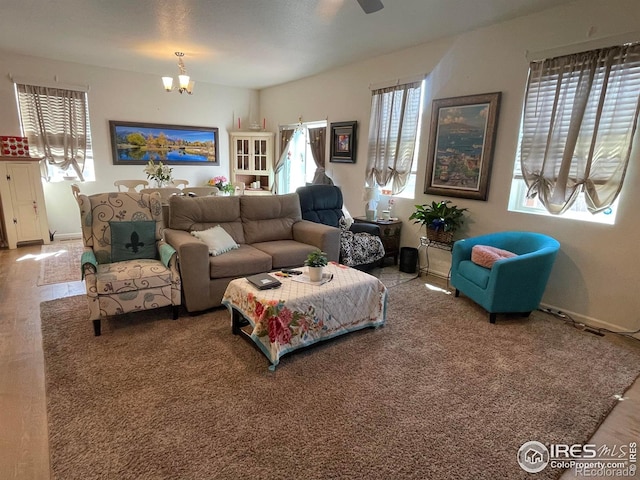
(360, 245)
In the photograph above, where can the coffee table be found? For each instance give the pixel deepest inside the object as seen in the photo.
(297, 315)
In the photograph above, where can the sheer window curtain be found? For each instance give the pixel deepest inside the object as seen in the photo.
(285, 139)
(56, 123)
(290, 166)
(317, 143)
(392, 135)
(579, 121)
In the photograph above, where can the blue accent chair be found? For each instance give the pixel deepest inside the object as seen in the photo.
(512, 285)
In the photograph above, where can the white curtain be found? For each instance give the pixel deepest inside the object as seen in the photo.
(56, 122)
(578, 124)
(290, 167)
(392, 135)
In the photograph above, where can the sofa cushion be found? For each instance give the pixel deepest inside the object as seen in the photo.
(286, 253)
(486, 255)
(200, 213)
(243, 261)
(269, 218)
(474, 273)
(133, 240)
(217, 239)
(132, 276)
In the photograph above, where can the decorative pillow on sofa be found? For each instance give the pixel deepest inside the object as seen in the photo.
(217, 239)
(133, 240)
(486, 256)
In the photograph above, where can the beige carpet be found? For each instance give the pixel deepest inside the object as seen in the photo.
(60, 262)
(391, 275)
(438, 393)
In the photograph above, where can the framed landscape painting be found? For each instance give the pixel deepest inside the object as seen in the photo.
(137, 143)
(343, 142)
(463, 132)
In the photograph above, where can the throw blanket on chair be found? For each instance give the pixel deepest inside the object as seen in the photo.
(359, 248)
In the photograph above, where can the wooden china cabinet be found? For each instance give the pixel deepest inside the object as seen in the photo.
(252, 160)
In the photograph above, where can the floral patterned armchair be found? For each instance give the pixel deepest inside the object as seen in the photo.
(126, 265)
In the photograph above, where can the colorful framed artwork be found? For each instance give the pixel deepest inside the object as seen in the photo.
(137, 143)
(463, 133)
(343, 142)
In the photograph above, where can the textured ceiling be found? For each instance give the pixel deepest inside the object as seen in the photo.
(245, 43)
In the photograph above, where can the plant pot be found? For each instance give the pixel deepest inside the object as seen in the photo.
(315, 274)
(439, 235)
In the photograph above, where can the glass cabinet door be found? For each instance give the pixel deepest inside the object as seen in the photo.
(260, 155)
(242, 154)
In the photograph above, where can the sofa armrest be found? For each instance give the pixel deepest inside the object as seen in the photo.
(193, 259)
(369, 228)
(324, 237)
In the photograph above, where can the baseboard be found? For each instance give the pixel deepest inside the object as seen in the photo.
(68, 236)
(586, 320)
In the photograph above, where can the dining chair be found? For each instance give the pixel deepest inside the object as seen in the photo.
(201, 191)
(165, 192)
(179, 183)
(130, 185)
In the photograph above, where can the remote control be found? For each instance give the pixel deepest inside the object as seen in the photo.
(291, 272)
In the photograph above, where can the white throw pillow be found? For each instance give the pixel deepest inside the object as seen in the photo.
(348, 219)
(217, 239)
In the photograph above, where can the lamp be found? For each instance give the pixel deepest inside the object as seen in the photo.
(184, 82)
(371, 195)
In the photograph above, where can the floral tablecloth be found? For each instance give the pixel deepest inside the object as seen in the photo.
(298, 314)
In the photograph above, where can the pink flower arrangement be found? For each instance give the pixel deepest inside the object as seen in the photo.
(221, 183)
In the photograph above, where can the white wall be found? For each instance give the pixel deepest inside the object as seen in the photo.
(595, 277)
(124, 96)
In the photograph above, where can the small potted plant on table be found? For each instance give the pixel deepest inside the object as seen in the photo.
(440, 219)
(316, 261)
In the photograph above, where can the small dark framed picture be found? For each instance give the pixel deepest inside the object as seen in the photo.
(343, 142)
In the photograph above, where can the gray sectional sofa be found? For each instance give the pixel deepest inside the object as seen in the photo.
(269, 230)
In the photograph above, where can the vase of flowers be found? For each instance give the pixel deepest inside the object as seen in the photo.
(440, 219)
(222, 184)
(160, 173)
(315, 262)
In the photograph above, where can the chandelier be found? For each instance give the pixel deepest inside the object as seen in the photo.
(185, 84)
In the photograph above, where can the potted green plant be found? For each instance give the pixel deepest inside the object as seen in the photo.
(316, 261)
(440, 219)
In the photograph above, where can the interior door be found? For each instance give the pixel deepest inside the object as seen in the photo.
(24, 201)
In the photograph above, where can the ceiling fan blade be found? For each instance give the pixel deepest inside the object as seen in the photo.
(370, 6)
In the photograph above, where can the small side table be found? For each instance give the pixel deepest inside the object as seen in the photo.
(389, 234)
(426, 243)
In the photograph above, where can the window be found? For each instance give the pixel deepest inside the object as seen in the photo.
(393, 128)
(578, 124)
(56, 122)
(298, 168)
(409, 190)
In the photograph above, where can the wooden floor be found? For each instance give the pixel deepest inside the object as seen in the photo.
(23, 420)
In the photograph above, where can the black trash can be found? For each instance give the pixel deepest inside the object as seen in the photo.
(408, 259)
